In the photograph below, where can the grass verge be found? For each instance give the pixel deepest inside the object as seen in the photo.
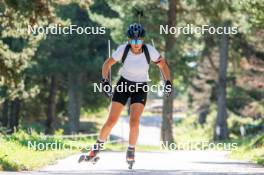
(249, 148)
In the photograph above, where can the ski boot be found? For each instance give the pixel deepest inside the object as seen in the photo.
(130, 157)
(93, 154)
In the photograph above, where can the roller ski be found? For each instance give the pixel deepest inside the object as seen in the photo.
(93, 154)
(130, 157)
(89, 158)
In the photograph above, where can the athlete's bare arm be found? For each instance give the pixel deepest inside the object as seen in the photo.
(163, 66)
(106, 67)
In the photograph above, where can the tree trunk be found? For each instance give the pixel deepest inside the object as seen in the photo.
(5, 111)
(167, 110)
(203, 112)
(204, 107)
(221, 130)
(74, 103)
(14, 115)
(51, 112)
(167, 120)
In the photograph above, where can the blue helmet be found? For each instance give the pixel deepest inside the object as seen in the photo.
(135, 31)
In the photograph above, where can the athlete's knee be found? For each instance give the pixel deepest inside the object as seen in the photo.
(134, 122)
(111, 121)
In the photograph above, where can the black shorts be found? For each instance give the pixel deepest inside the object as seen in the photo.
(134, 90)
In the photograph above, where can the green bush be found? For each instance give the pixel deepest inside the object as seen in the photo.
(237, 98)
(250, 125)
(251, 148)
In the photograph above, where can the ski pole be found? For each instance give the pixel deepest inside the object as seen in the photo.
(161, 74)
(109, 55)
(139, 14)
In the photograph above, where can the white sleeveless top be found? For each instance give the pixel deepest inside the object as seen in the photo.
(135, 68)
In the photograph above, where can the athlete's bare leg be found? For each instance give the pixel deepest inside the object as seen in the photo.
(113, 116)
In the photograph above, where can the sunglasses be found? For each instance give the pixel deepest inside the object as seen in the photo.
(136, 41)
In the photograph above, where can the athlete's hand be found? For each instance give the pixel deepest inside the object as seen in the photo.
(107, 88)
(168, 88)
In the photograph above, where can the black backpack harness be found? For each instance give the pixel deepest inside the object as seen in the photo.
(145, 50)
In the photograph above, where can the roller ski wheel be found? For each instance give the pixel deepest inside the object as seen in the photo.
(130, 157)
(82, 158)
(87, 158)
(130, 164)
(91, 157)
(94, 160)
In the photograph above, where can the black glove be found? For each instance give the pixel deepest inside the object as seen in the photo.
(107, 88)
(168, 88)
